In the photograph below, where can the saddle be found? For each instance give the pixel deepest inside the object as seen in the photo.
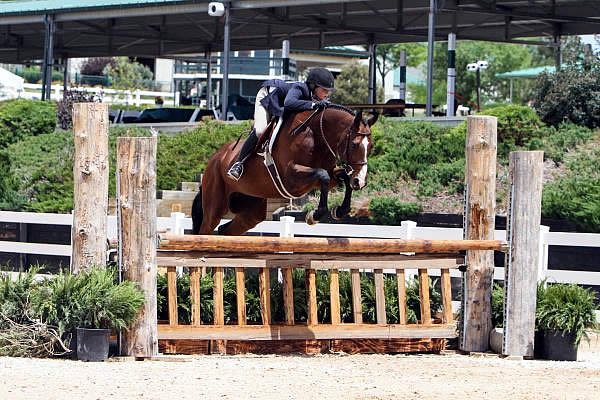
(265, 138)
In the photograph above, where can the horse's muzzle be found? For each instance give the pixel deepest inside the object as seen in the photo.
(355, 184)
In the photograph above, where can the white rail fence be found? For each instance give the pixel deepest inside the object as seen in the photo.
(111, 96)
(177, 223)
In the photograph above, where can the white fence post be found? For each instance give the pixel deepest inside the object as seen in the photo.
(137, 97)
(177, 229)
(543, 252)
(408, 232)
(287, 230)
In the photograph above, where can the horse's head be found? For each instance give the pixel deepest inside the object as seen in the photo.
(358, 146)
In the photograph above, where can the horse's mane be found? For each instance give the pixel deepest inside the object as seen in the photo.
(342, 108)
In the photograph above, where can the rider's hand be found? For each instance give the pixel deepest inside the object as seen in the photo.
(320, 104)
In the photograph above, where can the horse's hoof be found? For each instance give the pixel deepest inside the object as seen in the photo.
(310, 218)
(333, 214)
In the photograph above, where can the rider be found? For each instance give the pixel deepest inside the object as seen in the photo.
(277, 95)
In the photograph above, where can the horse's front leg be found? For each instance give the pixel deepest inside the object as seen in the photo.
(340, 212)
(304, 176)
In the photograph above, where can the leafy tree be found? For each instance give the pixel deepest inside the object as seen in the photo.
(96, 65)
(501, 57)
(126, 74)
(352, 85)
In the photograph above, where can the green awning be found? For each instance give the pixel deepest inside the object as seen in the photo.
(527, 73)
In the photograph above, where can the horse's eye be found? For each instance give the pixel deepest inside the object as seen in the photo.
(354, 145)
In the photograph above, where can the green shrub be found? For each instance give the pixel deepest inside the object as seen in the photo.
(390, 210)
(575, 196)
(22, 118)
(559, 140)
(567, 309)
(497, 306)
(517, 126)
(571, 94)
(429, 153)
(91, 299)
(34, 74)
(15, 297)
(183, 157)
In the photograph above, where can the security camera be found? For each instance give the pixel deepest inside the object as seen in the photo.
(216, 9)
(482, 64)
(472, 67)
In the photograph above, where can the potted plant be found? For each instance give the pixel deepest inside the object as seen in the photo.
(563, 314)
(90, 304)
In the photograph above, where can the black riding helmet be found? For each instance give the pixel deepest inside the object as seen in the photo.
(319, 77)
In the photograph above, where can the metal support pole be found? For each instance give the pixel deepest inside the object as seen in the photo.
(451, 89)
(50, 62)
(225, 67)
(209, 79)
(511, 90)
(372, 71)
(285, 59)
(45, 61)
(65, 75)
(478, 89)
(403, 75)
(430, 44)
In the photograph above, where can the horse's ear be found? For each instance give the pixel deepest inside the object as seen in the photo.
(372, 119)
(357, 119)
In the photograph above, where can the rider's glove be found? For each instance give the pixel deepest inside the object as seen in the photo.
(320, 104)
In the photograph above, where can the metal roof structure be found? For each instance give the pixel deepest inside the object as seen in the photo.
(151, 28)
(527, 73)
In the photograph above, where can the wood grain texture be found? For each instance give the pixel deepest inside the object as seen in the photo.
(356, 297)
(311, 346)
(366, 346)
(240, 290)
(311, 298)
(90, 185)
(264, 244)
(424, 297)
(184, 346)
(172, 295)
(526, 177)
(305, 332)
(401, 286)
(480, 177)
(218, 305)
(264, 285)
(288, 296)
(195, 295)
(136, 201)
(380, 297)
(334, 296)
(446, 296)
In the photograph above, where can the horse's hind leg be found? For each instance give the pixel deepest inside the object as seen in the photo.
(253, 212)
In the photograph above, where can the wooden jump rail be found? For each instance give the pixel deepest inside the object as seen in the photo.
(138, 256)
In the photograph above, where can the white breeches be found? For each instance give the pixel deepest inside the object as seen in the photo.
(261, 116)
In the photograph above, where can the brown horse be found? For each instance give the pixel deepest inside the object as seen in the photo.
(308, 148)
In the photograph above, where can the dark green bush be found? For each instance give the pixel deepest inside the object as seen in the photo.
(390, 210)
(421, 151)
(22, 118)
(558, 140)
(567, 309)
(183, 157)
(571, 94)
(575, 196)
(34, 75)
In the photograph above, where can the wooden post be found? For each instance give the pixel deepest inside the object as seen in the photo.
(526, 175)
(380, 297)
(424, 297)
(288, 296)
(218, 305)
(446, 296)
(172, 295)
(136, 197)
(356, 297)
(240, 290)
(264, 288)
(90, 182)
(401, 285)
(334, 296)
(311, 287)
(195, 295)
(480, 206)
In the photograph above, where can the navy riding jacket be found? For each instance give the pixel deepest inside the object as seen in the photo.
(288, 97)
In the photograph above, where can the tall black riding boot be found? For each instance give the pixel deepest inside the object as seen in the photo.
(237, 169)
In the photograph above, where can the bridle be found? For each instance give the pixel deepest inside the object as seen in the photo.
(343, 162)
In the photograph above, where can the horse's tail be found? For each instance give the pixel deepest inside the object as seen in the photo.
(197, 213)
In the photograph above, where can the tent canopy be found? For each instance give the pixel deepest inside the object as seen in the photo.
(86, 28)
(528, 73)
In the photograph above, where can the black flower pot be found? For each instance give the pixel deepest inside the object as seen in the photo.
(558, 347)
(92, 344)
